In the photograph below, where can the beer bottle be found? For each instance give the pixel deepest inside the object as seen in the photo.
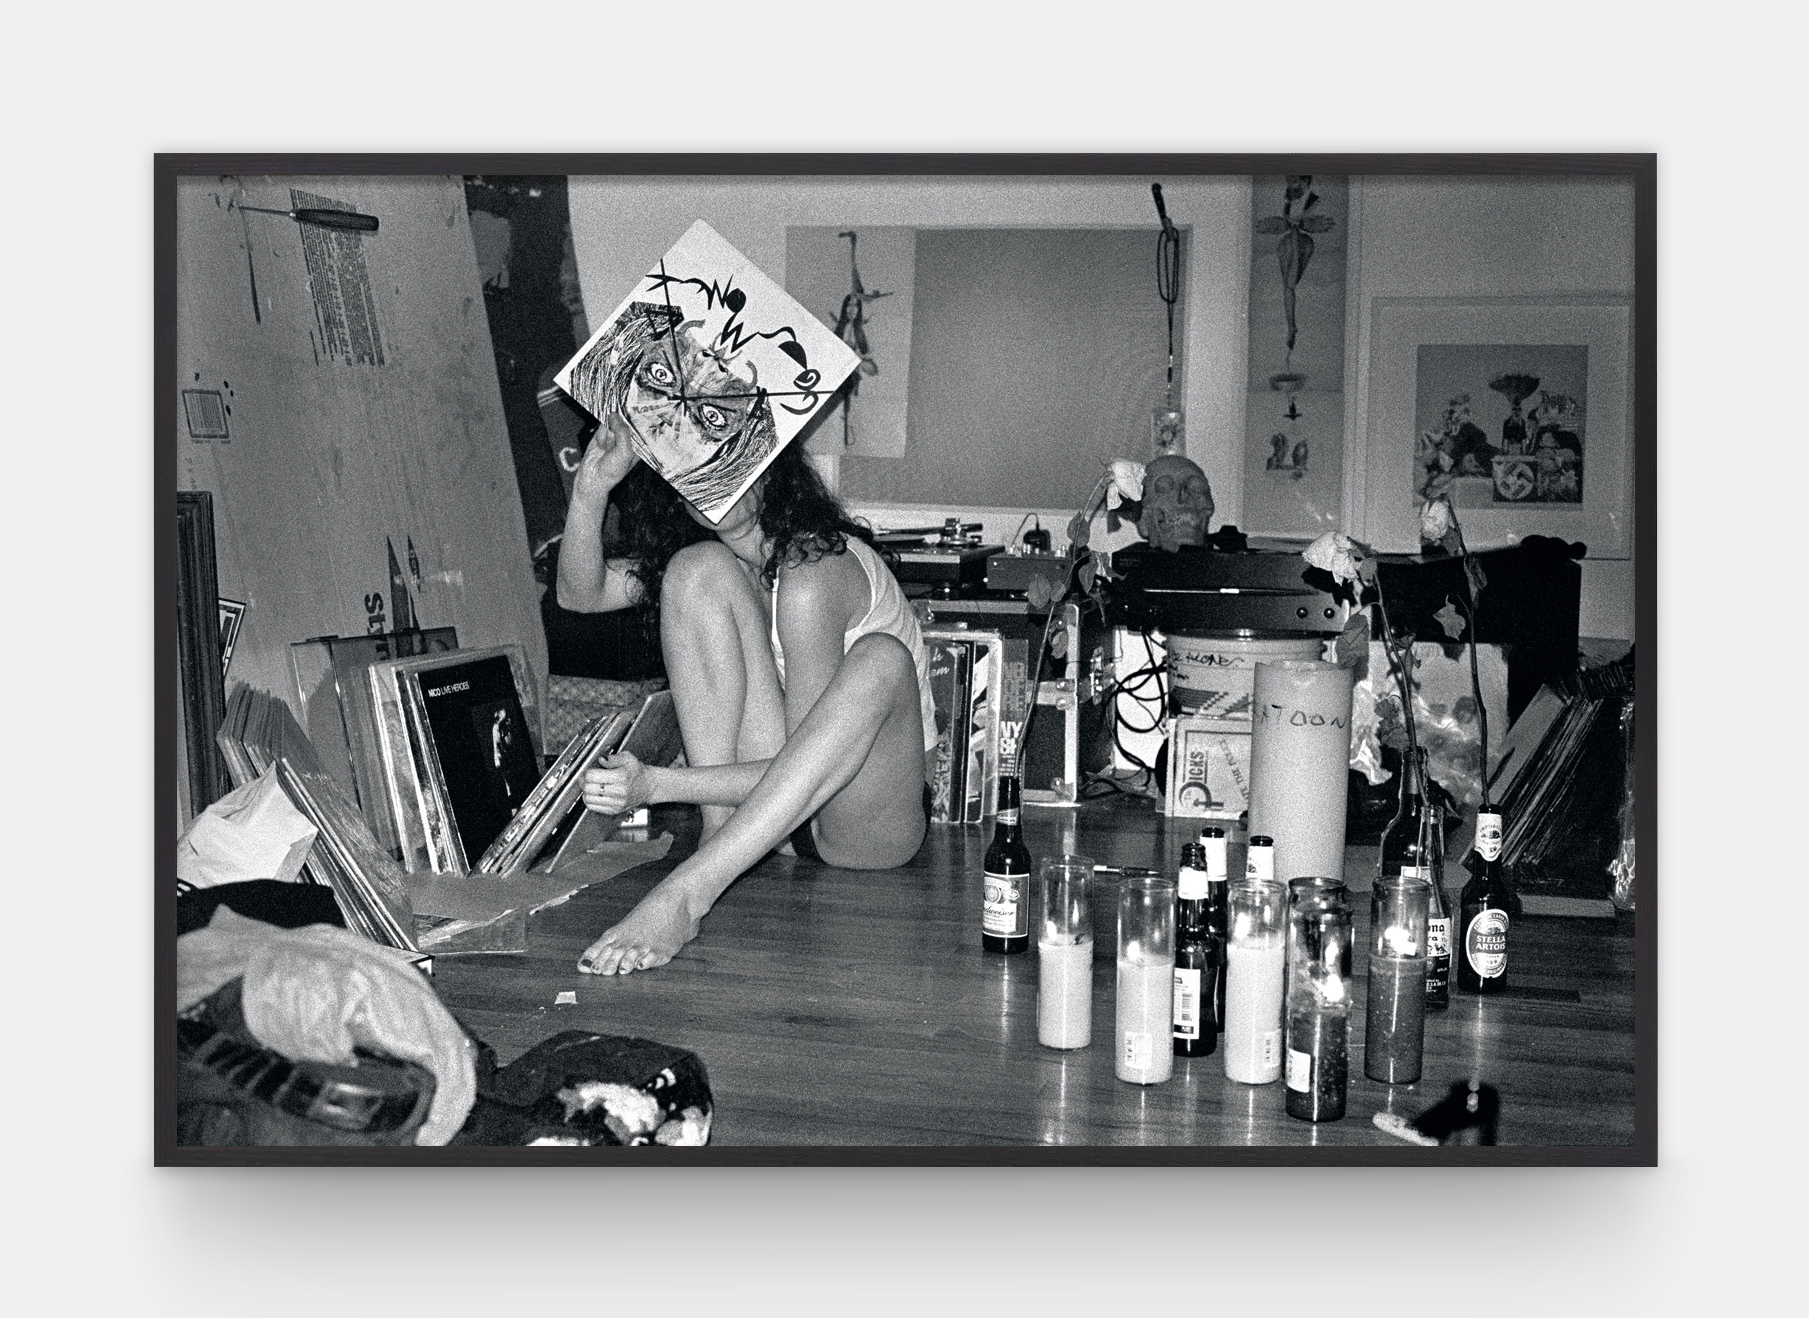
(1005, 912)
(1196, 959)
(1218, 914)
(1259, 861)
(1413, 847)
(1438, 910)
(1401, 839)
(1482, 949)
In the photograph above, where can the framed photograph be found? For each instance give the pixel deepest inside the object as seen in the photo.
(1040, 343)
(1522, 407)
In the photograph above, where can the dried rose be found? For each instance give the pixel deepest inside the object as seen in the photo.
(1338, 554)
(1435, 520)
(1127, 482)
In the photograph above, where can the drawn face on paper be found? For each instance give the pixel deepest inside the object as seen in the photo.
(713, 366)
(689, 404)
(700, 417)
(1177, 503)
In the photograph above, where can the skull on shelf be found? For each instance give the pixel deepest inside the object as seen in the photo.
(1177, 503)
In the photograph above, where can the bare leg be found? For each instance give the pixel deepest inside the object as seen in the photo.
(713, 632)
(855, 762)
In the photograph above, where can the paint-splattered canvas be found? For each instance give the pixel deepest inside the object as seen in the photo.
(712, 366)
(1500, 423)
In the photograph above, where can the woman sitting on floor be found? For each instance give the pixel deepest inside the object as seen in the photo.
(798, 672)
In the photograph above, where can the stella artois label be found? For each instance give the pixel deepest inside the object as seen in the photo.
(1485, 942)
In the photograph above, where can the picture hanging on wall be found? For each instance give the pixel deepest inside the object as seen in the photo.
(1294, 406)
(1500, 422)
(712, 366)
(1520, 408)
(860, 280)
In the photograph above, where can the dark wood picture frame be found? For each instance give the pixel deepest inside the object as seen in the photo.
(202, 679)
(1639, 169)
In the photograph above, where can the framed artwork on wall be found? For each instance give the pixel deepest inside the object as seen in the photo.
(1520, 406)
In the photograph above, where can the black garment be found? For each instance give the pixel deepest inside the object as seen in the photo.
(623, 646)
(805, 844)
(285, 905)
(521, 1102)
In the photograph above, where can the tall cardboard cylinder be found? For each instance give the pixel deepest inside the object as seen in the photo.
(1299, 760)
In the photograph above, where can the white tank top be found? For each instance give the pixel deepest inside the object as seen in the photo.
(887, 611)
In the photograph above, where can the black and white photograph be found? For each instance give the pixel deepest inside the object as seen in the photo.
(1297, 816)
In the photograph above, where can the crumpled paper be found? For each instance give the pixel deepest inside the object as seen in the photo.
(315, 993)
(253, 832)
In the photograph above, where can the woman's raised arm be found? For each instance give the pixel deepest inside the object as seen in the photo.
(588, 582)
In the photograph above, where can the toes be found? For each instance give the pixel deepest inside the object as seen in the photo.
(600, 958)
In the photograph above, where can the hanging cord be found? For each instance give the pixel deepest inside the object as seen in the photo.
(1168, 278)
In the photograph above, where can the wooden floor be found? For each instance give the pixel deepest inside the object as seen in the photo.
(840, 1008)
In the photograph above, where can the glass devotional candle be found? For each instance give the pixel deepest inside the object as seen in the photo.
(1318, 1007)
(1255, 956)
(1064, 952)
(1395, 1018)
(1146, 979)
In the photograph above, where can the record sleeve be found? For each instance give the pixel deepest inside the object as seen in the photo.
(479, 744)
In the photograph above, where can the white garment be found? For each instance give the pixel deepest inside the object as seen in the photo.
(888, 612)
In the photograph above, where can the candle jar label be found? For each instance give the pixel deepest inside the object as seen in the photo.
(1271, 1048)
(1300, 1071)
(1137, 1051)
(1485, 942)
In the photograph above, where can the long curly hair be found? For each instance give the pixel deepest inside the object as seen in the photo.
(798, 514)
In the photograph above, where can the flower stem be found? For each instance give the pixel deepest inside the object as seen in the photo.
(1482, 713)
(1402, 677)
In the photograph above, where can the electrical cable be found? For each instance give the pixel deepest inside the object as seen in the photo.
(1168, 277)
(1020, 531)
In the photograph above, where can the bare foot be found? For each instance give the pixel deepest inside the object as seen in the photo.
(650, 935)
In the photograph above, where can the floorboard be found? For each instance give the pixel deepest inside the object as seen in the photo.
(840, 1008)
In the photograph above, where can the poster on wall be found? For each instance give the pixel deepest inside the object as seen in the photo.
(859, 281)
(1294, 412)
(1500, 422)
(712, 366)
(1518, 407)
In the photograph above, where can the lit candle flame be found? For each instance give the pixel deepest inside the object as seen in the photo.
(1399, 942)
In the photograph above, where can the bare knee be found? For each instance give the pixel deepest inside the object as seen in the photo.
(880, 656)
(700, 572)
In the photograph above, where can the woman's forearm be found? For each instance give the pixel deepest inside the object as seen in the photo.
(581, 564)
(714, 784)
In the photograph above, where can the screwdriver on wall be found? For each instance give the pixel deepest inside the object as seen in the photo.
(326, 219)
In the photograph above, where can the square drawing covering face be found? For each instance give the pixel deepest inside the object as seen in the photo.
(699, 414)
(712, 365)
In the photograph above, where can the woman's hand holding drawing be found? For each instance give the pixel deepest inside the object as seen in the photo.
(618, 784)
(609, 457)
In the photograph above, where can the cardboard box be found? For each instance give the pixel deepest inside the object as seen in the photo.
(1208, 768)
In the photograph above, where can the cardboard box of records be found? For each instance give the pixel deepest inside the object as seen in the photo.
(1208, 768)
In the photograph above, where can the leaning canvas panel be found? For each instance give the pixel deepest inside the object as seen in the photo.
(712, 367)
